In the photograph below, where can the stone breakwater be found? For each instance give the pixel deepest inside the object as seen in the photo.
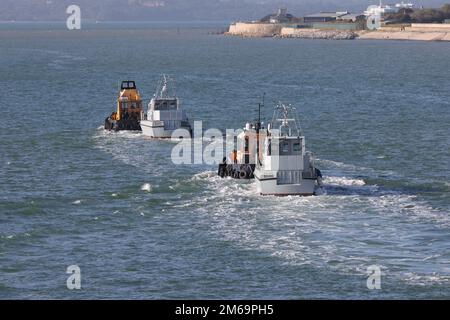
(274, 30)
(277, 30)
(317, 34)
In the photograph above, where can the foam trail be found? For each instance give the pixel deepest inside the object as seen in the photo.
(147, 187)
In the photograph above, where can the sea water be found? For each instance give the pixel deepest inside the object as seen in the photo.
(375, 113)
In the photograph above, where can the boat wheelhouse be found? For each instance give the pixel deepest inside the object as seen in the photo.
(129, 109)
(286, 168)
(164, 115)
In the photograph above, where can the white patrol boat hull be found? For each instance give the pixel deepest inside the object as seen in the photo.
(155, 129)
(270, 186)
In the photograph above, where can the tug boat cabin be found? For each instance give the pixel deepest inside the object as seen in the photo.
(129, 109)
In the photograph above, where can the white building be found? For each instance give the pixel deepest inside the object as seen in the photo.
(403, 5)
(384, 9)
(281, 16)
(380, 10)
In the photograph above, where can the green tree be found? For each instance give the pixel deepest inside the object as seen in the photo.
(428, 16)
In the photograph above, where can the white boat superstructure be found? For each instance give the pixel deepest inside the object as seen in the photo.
(164, 114)
(286, 168)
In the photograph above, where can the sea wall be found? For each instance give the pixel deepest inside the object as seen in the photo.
(254, 29)
(425, 27)
(417, 31)
(317, 34)
(405, 35)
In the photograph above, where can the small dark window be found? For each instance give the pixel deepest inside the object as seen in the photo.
(285, 147)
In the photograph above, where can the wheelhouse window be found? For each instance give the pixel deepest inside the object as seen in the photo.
(297, 147)
(128, 85)
(285, 147)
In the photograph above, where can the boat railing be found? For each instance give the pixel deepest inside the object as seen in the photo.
(166, 88)
(287, 117)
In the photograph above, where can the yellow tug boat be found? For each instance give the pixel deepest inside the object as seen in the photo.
(129, 109)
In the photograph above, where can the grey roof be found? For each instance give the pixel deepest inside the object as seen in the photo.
(350, 16)
(326, 15)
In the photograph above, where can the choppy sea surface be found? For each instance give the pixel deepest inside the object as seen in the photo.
(375, 113)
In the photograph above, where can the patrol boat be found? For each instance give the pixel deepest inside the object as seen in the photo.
(286, 168)
(164, 114)
(129, 109)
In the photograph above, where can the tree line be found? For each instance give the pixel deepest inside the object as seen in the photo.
(427, 15)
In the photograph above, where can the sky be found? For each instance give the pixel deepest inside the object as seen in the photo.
(177, 10)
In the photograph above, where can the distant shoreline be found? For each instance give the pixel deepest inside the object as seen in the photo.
(413, 32)
(89, 21)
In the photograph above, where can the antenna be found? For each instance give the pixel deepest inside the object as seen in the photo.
(286, 115)
(259, 115)
(264, 98)
(258, 127)
(258, 124)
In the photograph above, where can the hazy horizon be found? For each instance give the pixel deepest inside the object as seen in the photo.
(176, 10)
